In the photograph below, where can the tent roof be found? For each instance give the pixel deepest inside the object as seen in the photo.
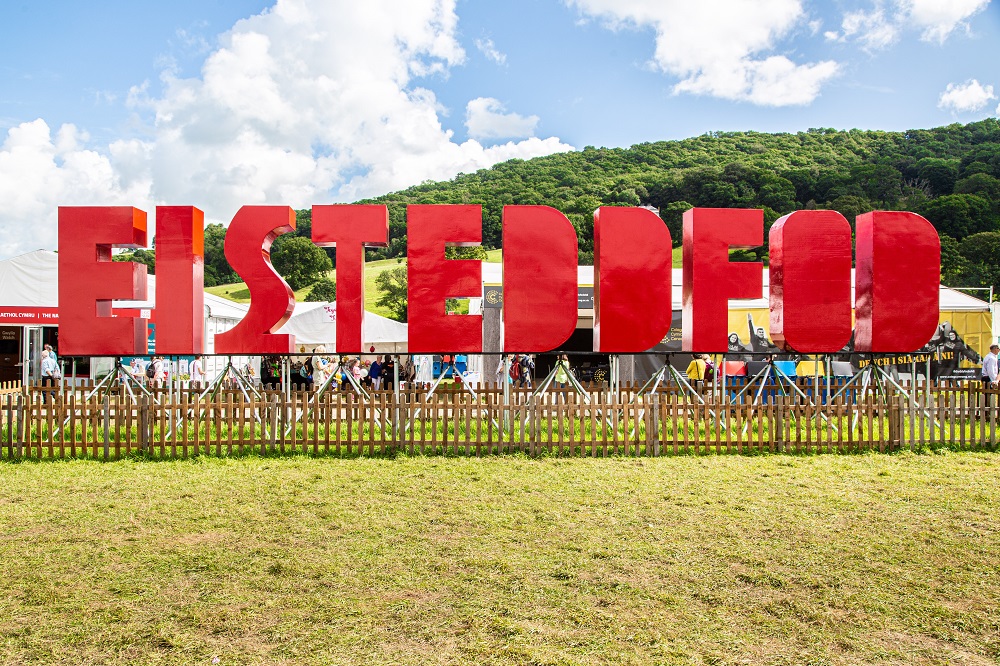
(316, 323)
(30, 280)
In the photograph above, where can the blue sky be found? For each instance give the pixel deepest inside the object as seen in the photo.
(223, 103)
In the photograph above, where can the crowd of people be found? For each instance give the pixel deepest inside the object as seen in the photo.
(312, 371)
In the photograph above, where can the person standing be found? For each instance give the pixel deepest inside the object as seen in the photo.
(320, 366)
(375, 373)
(989, 371)
(355, 369)
(388, 368)
(50, 373)
(159, 371)
(136, 370)
(197, 372)
(696, 370)
(408, 371)
(561, 377)
(527, 369)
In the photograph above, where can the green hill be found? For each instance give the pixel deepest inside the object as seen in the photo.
(950, 175)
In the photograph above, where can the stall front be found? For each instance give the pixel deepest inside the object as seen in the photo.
(963, 336)
(29, 314)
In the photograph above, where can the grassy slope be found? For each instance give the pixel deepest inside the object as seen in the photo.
(886, 559)
(239, 292)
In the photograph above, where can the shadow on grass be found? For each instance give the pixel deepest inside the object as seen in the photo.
(544, 454)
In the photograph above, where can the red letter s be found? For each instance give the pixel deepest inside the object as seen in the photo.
(248, 251)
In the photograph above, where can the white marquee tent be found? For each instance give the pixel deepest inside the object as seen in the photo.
(316, 324)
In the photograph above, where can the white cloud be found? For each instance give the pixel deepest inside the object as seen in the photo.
(968, 96)
(872, 29)
(720, 48)
(882, 26)
(937, 19)
(489, 49)
(486, 118)
(39, 172)
(309, 102)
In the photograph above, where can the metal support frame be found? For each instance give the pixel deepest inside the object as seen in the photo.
(124, 377)
(663, 376)
(874, 379)
(573, 381)
(325, 386)
(243, 382)
(453, 371)
(780, 379)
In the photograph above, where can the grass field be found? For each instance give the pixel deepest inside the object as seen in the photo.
(867, 559)
(238, 291)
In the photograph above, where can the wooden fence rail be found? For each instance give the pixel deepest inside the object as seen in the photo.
(57, 423)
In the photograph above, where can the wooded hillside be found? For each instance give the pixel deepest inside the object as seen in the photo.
(951, 175)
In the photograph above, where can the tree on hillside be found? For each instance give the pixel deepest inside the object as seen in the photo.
(217, 269)
(145, 257)
(471, 252)
(392, 286)
(299, 261)
(982, 184)
(981, 251)
(939, 174)
(960, 215)
(323, 291)
(672, 215)
(887, 170)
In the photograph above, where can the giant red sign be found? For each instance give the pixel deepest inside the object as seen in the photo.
(810, 284)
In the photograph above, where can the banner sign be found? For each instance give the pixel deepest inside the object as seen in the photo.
(25, 315)
(897, 278)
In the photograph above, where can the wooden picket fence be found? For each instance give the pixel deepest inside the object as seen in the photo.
(59, 423)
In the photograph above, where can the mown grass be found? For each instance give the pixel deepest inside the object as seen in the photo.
(885, 559)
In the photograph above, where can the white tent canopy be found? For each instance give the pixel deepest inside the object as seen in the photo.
(30, 280)
(316, 324)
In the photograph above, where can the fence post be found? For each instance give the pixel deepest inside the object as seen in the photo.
(895, 422)
(653, 428)
(144, 445)
(274, 424)
(779, 424)
(20, 424)
(107, 423)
